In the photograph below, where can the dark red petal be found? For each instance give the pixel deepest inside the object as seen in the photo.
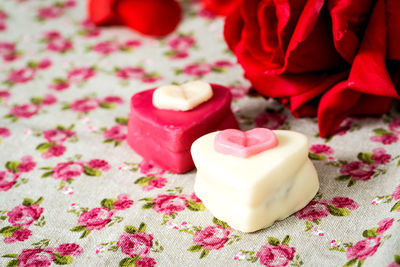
(150, 17)
(348, 23)
(393, 23)
(233, 28)
(102, 12)
(220, 7)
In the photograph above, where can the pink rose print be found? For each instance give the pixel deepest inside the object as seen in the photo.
(99, 164)
(3, 18)
(85, 105)
(358, 170)
(79, 75)
(4, 96)
(69, 249)
(106, 47)
(43, 64)
(195, 198)
(59, 84)
(22, 215)
(123, 202)
(67, 170)
(278, 256)
(113, 100)
(89, 29)
(396, 193)
(168, 204)
(36, 257)
(158, 182)
(145, 262)
(4, 132)
(54, 11)
(24, 110)
(19, 235)
(197, 69)
(95, 219)
(344, 202)
(212, 237)
(222, 63)
(54, 151)
(135, 244)
(321, 149)
(149, 169)
(127, 73)
(364, 248)
(116, 133)
(394, 126)
(180, 46)
(386, 139)
(22, 75)
(8, 51)
(384, 225)
(380, 156)
(49, 100)
(314, 210)
(27, 164)
(7, 179)
(270, 120)
(57, 135)
(239, 91)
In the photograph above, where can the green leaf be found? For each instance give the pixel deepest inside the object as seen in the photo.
(130, 229)
(195, 248)
(147, 205)
(350, 263)
(36, 100)
(338, 212)
(128, 262)
(108, 203)
(381, 131)
(142, 227)
(342, 178)
(9, 230)
(10, 256)
(44, 147)
(370, 232)
(316, 156)
(220, 223)
(366, 157)
(286, 240)
(195, 206)
(62, 260)
(85, 233)
(27, 202)
(397, 259)
(273, 241)
(78, 228)
(91, 172)
(143, 181)
(13, 263)
(351, 183)
(121, 120)
(12, 166)
(38, 201)
(396, 206)
(360, 263)
(47, 174)
(107, 105)
(204, 253)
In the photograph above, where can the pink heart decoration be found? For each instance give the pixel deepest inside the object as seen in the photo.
(245, 144)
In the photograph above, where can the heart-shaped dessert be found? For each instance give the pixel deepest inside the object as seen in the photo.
(244, 144)
(182, 97)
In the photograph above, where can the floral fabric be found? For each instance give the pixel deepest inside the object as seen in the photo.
(73, 192)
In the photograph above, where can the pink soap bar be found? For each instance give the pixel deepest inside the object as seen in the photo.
(164, 137)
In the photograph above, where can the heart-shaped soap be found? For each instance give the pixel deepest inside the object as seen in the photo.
(182, 97)
(245, 144)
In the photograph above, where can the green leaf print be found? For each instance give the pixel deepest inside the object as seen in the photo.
(27, 202)
(273, 241)
(395, 206)
(130, 229)
(108, 203)
(220, 223)
(12, 166)
(338, 212)
(91, 172)
(9, 230)
(370, 232)
(350, 263)
(195, 248)
(12, 263)
(142, 227)
(128, 262)
(193, 206)
(62, 260)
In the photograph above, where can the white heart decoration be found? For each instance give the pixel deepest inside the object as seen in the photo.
(182, 97)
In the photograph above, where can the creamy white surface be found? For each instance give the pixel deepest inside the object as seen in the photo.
(182, 97)
(251, 193)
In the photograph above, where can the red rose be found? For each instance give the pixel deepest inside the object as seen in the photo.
(344, 202)
(7, 180)
(79, 75)
(24, 215)
(21, 75)
(36, 257)
(313, 210)
(220, 7)
(69, 249)
(117, 132)
(135, 244)
(396, 193)
(57, 136)
(27, 164)
(123, 202)
(145, 262)
(19, 235)
(212, 237)
(85, 105)
(67, 170)
(278, 256)
(321, 149)
(363, 249)
(4, 132)
(24, 110)
(95, 219)
(358, 170)
(99, 164)
(313, 55)
(384, 225)
(168, 204)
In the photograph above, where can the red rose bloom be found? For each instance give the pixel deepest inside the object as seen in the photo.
(358, 170)
(69, 249)
(24, 215)
(67, 170)
(325, 58)
(220, 7)
(363, 249)
(278, 256)
(7, 180)
(168, 204)
(95, 219)
(313, 210)
(135, 244)
(36, 257)
(212, 237)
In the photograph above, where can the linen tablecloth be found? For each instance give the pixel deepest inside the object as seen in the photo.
(73, 192)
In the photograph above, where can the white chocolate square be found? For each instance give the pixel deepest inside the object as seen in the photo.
(251, 193)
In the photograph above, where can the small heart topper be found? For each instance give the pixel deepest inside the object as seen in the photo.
(182, 97)
(245, 144)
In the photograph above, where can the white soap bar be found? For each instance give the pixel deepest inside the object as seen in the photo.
(182, 97)
(251, 193)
